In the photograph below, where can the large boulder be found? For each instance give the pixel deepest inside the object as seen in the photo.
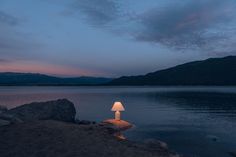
(62, 110)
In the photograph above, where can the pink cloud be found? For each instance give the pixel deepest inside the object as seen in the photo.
(46, 68)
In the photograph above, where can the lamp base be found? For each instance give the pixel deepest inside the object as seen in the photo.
(117, 115)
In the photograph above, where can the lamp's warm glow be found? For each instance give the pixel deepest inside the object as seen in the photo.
(118, 107)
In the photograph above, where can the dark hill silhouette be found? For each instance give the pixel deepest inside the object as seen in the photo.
(19, 79)
(213, 71)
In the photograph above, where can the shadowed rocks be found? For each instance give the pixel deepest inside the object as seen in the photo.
(49, 138)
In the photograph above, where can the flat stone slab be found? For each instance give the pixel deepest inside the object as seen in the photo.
(119, 125)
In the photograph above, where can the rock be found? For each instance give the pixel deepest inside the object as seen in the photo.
(213, 137)
(233, 154)
(4, 122)
(10, 118)
(84, 122)
(3, 109)
(115, 127)
(108, 128)
(62, 110)
(152, 143)
(118, 125)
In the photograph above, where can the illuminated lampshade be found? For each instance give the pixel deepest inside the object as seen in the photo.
(117, 107)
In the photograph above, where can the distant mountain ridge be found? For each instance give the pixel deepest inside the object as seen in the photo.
(24, 79)
(212, 71)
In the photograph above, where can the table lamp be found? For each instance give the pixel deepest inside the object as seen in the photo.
(117, 107)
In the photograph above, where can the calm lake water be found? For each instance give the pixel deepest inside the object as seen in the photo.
(187, 118)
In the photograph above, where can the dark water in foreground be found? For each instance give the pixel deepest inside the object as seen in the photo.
(187, 118)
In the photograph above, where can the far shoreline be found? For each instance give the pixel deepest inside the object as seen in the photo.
(149, 86)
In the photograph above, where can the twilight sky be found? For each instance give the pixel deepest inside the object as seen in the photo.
(112, 37)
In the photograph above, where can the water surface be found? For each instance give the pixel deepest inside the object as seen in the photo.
(195, 121)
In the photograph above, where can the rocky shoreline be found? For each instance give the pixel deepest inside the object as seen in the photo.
(49, 129)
